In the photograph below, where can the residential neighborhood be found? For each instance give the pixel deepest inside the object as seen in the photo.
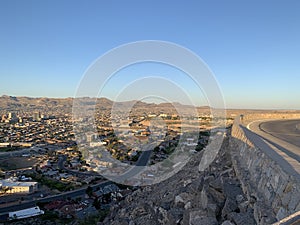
(43, 156)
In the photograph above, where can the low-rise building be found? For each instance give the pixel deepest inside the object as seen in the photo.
(25, 213)
(11, 186)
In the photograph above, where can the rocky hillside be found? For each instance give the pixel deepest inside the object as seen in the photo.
(190, 197)
(64, 105)
(28, 104)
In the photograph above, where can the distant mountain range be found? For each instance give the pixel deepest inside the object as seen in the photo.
(11, 103)
(27, 104)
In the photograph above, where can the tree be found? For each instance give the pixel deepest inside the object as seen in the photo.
(89, 191)
(97, 203)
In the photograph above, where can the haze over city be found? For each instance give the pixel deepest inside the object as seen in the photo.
(252, 47)
(149, 112)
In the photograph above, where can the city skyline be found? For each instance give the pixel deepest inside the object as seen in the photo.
(252, 48)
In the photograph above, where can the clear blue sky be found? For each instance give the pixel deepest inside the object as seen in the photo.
(253, 47)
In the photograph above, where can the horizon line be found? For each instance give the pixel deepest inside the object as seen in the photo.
(104, 97)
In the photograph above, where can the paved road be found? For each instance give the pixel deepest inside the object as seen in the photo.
(286, 130)
(139, 166)
(279, 140)
(70, 194)
(274, 151)
(282, 134)
(61, 161)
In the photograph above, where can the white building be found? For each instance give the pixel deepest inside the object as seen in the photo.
(25, 213)
(98, 143)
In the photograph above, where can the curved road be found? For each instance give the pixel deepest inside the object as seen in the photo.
(286, 130)
(280, 139)
(283, 135)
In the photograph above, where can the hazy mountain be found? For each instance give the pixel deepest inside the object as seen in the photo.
(64, 105)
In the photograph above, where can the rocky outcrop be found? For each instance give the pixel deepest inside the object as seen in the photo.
(213, 196)
(33, 221)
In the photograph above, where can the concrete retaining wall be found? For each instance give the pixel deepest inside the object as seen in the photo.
(275, 194)
(271, 116)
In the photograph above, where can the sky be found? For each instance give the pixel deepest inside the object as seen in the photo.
(251, 47)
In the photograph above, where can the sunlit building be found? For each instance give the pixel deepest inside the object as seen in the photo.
(11, 186)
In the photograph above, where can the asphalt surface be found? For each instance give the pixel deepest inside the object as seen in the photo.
(65, 195)
(274, 151)
(286, 130)
(61, 166)
(279, 139)
(138, 168)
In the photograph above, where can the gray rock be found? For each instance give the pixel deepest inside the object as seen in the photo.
(243, 207)
(200, 217)
(227, 222)
(188, 205)
(178, 199)
(281, 213)
(242, 218)
(182, 198)
(231, 188)
(212, 210)
(176, 214)
(187, 182)
(131, 223)
(218, 197)
(239, 199)
(295, 200)
(230, 206)
(217, 184)
(203, 199)
(163, 218)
